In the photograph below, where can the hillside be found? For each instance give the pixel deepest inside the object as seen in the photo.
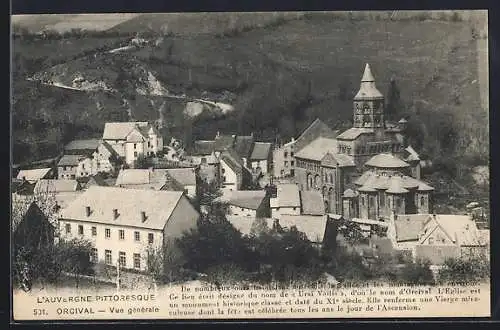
(280, 76)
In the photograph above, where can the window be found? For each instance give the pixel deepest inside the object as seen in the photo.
(422, 201)
(135, 145)
(68, 228)
(150, 238)
(93, 255)
(431, 240)
(83, 166)
(94, 231)
(122, 260)
(223, 178)
(137, 260)
(80, 229)
(291, 154)
(107, 232)
(286, 163)
(223, 171)
(121, 234)
(137, 236)
(135, 153)
(291, 163)
(294, 208)
(286, 154)
(107, 257)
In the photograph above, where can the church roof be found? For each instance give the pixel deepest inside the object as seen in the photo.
(396, 186)
(317, 149)
(368, 90)
(353, 133)
(386, 160)
(371, 181)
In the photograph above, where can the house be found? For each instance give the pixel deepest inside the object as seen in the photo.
(234, 175)
(132, 139)
(82, 147)
(124, 224)
(312, 203)
(32, 176)
(248, 203)
(33, 231)
(55, 186)
(186, 177)
(261, 158)
(106, 159)
(436, 236)
(317, 229)
(283, 154)
(286, 201)
(74, 166)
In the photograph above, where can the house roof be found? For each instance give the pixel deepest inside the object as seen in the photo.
(312, 202)
(86, 144)
(111, 150)
(408, 226)
(33, 175)
(142, 178)
(56, 186)
(65, 197)
(317, 149)
(242, 223)
(243, 145)
(314, 226)
(224, 142)
(249, 199)
(120, 130)
(203, 147)
(386, 160)
(353, 133)
(70, 160)
(158, 206)
(368, 90)
(231, 158)
(261, 151)
(460, 228)
(287, 196)
(185, 176)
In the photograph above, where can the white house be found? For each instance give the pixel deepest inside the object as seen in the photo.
(123, 224)
(34, 175)
(262, 157)
(248, 203)
(287, 200)
(234, 175)
(105, 158)
(75, 166)
(131, 139)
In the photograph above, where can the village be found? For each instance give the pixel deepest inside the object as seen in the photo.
(130, 191)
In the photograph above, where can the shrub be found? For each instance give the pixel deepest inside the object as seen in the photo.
(473, 268)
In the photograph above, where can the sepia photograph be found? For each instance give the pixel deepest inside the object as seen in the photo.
(250, 165)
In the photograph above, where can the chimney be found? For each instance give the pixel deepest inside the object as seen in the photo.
(115, 214)
(87, 210)
(143, 216)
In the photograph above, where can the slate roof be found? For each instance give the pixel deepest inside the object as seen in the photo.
(33, 175)
(224, 142)
(313, 226)
(85, 144)
(249, 199)
(70, 160)
(142, 178)
(372, 181)
(461, 228)
(111, 150)
(288, 195)
(243, 145)
(312, 202)
(231, 158)
(158, 206)
(261, 151)
(56, 186)
(317, 149)
(185, 176)
(408, 226)
(334, 160)
(386, 160)
(120, 130)
(316, 129)
(368, 90)
(353, 133)
(203, 147)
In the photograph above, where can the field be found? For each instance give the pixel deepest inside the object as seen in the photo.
(283, 72)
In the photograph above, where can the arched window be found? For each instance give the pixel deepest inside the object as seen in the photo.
(363, 200)
(422, 201)
(331, 178)
(317, 181)
(324, 192)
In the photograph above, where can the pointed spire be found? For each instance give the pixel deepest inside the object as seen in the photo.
(367, 75)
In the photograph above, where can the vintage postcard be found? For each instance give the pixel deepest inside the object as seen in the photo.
(250, 165)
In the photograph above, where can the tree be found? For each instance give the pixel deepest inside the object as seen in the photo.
(471, 268)
(143, 162)
(394, 105)
(416, 273)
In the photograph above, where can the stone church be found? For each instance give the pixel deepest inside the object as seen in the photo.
(367, 171)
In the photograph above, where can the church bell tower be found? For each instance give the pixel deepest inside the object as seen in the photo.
(368, 103)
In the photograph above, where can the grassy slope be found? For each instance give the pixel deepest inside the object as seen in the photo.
(269, 66)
